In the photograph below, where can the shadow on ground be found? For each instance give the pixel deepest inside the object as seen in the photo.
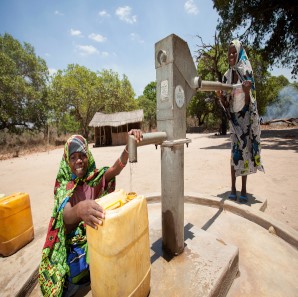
(285, 139)
(251, 198)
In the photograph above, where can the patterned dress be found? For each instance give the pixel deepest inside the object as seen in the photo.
(54, 269)
(245, 122)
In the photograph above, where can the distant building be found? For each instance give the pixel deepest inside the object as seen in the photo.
(111, 129)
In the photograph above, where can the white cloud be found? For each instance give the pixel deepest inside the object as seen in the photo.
(97, 37)
(86, 50)
(57, 12)
(124, 14)
(136, 37)
(104, 14)
(75, 32)
(190, 7)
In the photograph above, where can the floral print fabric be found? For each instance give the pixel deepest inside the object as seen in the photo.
(53, 268)
(245, 124)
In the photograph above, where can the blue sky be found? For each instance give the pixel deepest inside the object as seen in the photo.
(108, 34)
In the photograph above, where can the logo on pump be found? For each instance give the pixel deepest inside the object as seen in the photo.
(179, 96)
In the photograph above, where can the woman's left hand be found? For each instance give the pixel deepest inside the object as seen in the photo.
(246, 86)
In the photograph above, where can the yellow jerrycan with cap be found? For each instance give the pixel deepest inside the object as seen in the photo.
(16, 226)
(119, 251)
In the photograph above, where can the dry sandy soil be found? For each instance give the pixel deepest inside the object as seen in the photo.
(206, 171)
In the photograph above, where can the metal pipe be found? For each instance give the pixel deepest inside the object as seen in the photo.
(206, 85)
(148, 138)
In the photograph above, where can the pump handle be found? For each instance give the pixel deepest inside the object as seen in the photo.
(206, 85)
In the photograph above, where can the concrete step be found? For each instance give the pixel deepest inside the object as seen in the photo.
(214, 231)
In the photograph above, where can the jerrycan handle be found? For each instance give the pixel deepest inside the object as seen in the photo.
(109, 206)
(118, 203)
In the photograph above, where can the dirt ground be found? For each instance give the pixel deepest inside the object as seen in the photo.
(206, 171)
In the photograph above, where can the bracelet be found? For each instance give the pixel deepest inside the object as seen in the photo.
(121, 164)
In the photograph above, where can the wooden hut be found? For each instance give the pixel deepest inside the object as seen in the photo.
(111, 129)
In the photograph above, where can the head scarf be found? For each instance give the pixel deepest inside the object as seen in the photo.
(77, 144)
(242, 67)
(53, 267)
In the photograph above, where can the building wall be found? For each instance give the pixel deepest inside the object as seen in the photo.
(106, 136)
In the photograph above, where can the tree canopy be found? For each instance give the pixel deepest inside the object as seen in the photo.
(212, 64)
(23, 89)
(264, 24)
(116, 94)
(77, 93)
(148, 103)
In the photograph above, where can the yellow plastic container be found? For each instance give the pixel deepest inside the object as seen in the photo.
(16, 227)
(119, 250)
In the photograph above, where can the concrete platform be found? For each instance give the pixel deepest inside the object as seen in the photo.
(214, 231)
(207, 267)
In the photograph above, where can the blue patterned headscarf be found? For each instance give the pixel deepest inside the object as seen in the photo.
(242, 67)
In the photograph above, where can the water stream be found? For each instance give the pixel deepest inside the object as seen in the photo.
(131, 167)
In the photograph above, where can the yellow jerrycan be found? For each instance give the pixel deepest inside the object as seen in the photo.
(16, 227)
(119, 250)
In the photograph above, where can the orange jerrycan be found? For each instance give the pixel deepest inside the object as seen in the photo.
(119, 250)
(16, 227)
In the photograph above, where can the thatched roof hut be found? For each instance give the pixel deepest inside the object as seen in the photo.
(111, 129)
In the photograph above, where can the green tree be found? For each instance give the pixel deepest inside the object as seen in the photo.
(23, 89)
(127, 94)
(150, 91)
(270, 91)
(202, 108)
(261, 75)
(294, 85)
(285, 104)
(212, 63)
(263, 24)
(76, 92)
(147, 102)
(116, 94)
(79, 93)
(212, 59)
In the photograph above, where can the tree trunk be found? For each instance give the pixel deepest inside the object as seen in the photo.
(224, 124)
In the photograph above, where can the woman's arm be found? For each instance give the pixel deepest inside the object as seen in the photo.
(88, 211)
(246, 86)
(220, 95)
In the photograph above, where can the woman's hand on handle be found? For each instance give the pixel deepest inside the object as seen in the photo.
(91, 213)
(137, 134)
(88, 211)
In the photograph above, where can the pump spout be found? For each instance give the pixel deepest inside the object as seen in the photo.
(148, 138)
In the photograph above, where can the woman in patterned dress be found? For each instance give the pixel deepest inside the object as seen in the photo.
(245, 130)
(64, 266)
